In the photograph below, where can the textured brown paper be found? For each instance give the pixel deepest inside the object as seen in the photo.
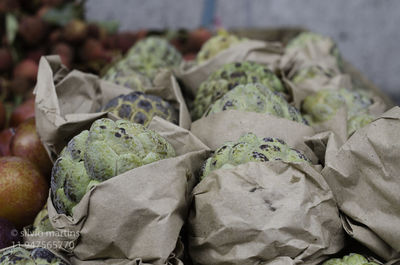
(264, 213)
(68, 101)
(30, 246)
(138, 214)
(364, 177)
(267, 53)
(218, 128)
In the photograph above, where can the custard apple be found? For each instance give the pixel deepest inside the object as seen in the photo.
(250, 148)
(256, 98)
(42, 221)
(108, 149)
(21, 256)
(141, 108)
(151, 54)
(352, 259)
(311, 72)
(121, 74)
(216, 44)
(322, 106)
(229, 76)
(301, 40)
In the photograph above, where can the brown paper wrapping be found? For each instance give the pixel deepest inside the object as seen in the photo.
(250, 50)
(67, 101)
(364, 176)
(138, 214)
(218, 128)
(264, 213)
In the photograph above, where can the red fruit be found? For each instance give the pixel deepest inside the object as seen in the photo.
(96, 32)
(20, 86)
(5, 141)
(26, 144)
(75, 31)
(55, 36)
(6, 60)
(65, 52)
(93, 50)
(36, 54)
(8, 5)
(197, 38)
(27, 69)
(23, 112)
(23, 190)
(32, 30)
(141, 34)
(124, 41)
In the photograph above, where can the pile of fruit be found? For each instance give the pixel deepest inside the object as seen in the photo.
(186, 148)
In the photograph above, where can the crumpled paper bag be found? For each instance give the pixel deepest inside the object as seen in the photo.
(363, 174)
(264, 213)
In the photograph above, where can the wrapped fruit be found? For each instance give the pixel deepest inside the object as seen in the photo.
(122, 74)
(322, 106)
(229, 76)
(108, 149)
(141, 108)
(250, 148)
(18, 255)
(256, 98)
(150, 55)
(352, 259)
(216, 44)
(42, 221)
(306, 38)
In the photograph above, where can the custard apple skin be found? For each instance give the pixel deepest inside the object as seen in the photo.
(151, 54)
(301, 40)
(351, 259)
(42, 221)
(21, 256)
(310, 73)
(108, 149)
(222, 41)
(121, 74)
(229, 76)
(322, 106)
(250, 148)
(256, 98)
(141, 108)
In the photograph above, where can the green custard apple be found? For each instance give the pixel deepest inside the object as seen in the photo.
(42, 221)
(301, 40)
(322, 106)
(256, 98)
(352, 259)
(106, 150)
(229, 76)
(121, 74)
(21, 256)
(310, 73)
(250, 148)
(151, 54)
(222, 41)
(141, 108)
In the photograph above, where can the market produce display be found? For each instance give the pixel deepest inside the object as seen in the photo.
(22, 256)
(146, 151)
(108, 149)
(229, 76)
(250, 148)
(141, 108)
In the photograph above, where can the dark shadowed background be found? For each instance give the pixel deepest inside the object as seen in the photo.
(367, 31)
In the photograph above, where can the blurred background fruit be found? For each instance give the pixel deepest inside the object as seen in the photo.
(23, 190)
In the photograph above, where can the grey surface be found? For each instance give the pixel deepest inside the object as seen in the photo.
(366, 30)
